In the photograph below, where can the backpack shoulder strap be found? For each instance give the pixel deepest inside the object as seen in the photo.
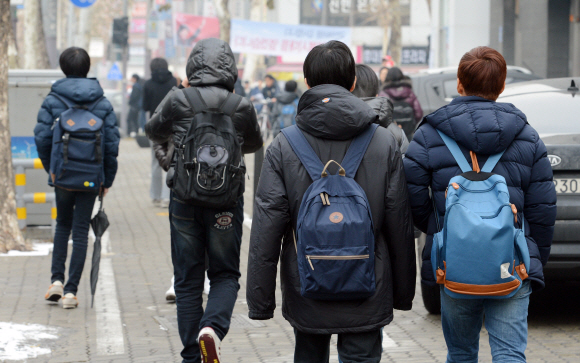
(231, 104)
(195, 100)
(492, 162)
(63, 99)
(92, 106)
(456, 152)
(304, 151)
(357, 149)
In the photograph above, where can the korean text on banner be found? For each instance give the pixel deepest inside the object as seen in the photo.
(281, 39)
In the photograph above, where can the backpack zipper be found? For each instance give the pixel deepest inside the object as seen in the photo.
(340, 258)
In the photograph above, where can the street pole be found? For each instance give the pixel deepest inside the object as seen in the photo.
(70, 25)
(124, 126)
(146, 70)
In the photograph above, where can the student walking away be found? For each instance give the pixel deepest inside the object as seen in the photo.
(271, 89)
(154, 91)
(367, 89)
(77, 141)
(285, 108)
(343, 233)
(407, 111)
(487, 167)
(211, 128)
(135, 104)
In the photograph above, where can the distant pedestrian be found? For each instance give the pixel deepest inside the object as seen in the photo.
(367, 89)
(155, 89)
(481, 127)
(285, 108)
(80, 164)
(135, 105)
(332, 282)
(271, 90)
(407, 111)
(206, 207)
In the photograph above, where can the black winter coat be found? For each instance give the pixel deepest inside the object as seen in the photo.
(329, 128)
(384, 108)
(211, 68)
(155, 89)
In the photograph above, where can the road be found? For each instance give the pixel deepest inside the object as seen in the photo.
(131, 322)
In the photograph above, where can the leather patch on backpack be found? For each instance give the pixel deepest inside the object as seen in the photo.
(70, 122)
(92, 122)
(336, 217)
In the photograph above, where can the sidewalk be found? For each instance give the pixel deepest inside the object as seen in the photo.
(131, 322)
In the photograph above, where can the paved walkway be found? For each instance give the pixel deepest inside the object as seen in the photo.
(131, 322)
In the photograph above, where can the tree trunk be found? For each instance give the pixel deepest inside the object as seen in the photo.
(254, 61)
(35, 55)
(223, 12)
(13, 58)
(395, 46)
(10, 235)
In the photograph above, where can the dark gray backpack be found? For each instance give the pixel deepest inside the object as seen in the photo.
(209, 167)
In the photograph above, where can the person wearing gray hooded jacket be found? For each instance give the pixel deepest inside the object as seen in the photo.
(195, 230)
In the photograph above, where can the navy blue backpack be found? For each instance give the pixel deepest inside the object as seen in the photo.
(76, 160)
(335, 241)
(479, 253)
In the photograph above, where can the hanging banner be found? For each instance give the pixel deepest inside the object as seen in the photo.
(281, 39)
(190, 29)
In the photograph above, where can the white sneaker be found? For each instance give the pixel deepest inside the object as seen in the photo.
(209, 346)
(206, 285)
(69, 301)
(54, 292)
(170, 294)
(133, 134)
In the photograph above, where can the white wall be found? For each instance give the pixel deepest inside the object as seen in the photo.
(420, 28)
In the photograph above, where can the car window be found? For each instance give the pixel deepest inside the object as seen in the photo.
(450, 88)
(549, 112)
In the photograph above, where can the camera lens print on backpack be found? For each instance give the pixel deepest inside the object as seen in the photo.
(78, 138)
(209, 167)
(335, 241)
(479, 253)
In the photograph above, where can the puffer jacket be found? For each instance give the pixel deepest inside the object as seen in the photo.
(486, 128)
(403, 91)
(329, 128)
(82, 91)
(211, 68)
(156, 88)
(384, 108)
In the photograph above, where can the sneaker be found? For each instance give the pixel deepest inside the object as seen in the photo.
(209, 346)
(54, 292)
(69, 301)
(170, 294)
(133, 134)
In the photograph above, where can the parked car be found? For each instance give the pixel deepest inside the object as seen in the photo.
(435, 88)
(552, 107)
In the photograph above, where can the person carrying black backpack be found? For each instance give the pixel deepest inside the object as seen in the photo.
(335, 279)
(211, 129)
(77, 139)
(285, 108)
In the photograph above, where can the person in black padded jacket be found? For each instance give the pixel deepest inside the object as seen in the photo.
(211, 68)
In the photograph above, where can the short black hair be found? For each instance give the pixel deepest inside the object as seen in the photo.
(158, 63)
(367, 82)
(290, 86)
(395, 74)
(330, 63)
(75, 61)
(136, 76)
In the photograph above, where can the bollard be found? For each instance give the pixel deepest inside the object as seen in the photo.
(22, 197)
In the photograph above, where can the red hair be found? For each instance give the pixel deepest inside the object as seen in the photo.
(482, 72)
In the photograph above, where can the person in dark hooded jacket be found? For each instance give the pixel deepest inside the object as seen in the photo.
(479, 124)
(285, 108)
(74, 208)
(156, 88)
(399, 88)
(329, 128)
(211, 68)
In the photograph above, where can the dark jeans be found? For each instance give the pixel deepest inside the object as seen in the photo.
(133, 119)
(195, 231)
(352, 347)
(74, 211)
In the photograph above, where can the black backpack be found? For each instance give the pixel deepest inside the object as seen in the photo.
(209, 167)
(404, 115)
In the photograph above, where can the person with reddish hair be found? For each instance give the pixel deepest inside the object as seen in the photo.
(477, 123)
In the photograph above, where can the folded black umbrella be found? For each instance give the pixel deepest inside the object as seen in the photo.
(99, 223)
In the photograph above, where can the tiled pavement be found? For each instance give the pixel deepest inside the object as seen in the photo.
(141, 264)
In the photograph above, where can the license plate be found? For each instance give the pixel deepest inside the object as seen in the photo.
(567, 185)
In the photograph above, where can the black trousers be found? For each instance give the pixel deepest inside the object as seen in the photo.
(352, 347)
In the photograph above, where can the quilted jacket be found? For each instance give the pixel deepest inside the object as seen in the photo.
(485, 127)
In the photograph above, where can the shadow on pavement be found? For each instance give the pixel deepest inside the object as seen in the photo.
(557, 303)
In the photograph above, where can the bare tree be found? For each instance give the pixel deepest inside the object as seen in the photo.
(35, 55)
(10, 235)
(223, 13)
(387, 14)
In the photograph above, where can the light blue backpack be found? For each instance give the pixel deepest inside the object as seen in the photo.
(479, 253)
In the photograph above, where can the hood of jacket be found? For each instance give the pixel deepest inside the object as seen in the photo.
(161, 76)
(331, 112)
(82, 90)
(212, 63)
(483, 126)
(383, 107)
(398, 90)
(286, 98)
